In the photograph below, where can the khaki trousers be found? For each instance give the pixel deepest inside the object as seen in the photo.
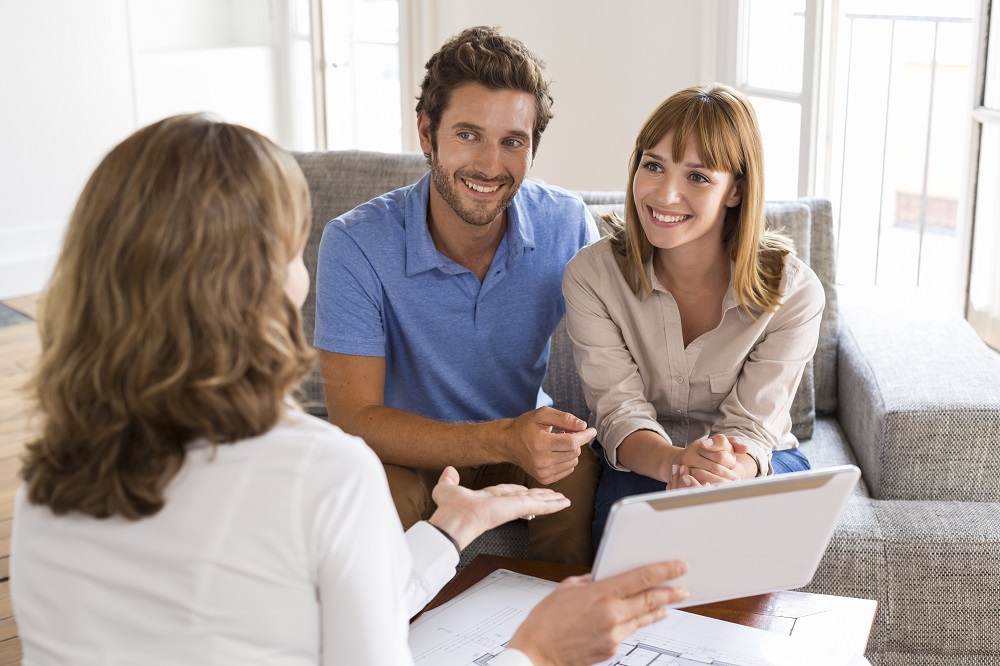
(563, 537)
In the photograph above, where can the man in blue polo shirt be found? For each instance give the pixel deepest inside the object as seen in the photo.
(435, 302)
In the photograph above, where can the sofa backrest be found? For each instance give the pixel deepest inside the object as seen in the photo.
(341, 180)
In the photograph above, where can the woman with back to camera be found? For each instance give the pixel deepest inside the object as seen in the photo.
(692, 323)
(177, 507)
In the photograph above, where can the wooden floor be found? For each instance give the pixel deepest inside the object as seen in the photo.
(18, 352)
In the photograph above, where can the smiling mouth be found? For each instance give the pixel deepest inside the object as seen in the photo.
(667, 219)
(482, 189)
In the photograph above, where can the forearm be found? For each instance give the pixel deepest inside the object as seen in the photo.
(649, 454)
(410, 440)
(746, 466)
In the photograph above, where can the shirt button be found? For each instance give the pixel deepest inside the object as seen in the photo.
(680, 380)
(678, 412)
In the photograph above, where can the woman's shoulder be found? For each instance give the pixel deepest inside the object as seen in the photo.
(799, 281)
(321, 442)
(599, 255)
(798, 272)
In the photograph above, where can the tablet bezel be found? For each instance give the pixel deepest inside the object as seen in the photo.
(731, 504)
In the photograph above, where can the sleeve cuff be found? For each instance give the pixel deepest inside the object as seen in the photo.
(434, 562)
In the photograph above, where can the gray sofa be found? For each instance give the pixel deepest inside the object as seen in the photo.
(914, 401)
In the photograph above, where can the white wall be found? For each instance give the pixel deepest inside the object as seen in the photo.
(67, 98)
(612, 63)
(78, 77)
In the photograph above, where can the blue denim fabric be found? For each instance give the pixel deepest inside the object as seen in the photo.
(615, 484)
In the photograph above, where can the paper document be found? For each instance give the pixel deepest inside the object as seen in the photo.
(474, 627)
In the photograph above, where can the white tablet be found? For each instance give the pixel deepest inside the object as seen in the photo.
(738, 539)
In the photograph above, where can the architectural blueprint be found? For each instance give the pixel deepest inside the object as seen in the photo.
(474, 627)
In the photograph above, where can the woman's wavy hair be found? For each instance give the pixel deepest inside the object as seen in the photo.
(724, 127)
(485, 56)
(166, 319)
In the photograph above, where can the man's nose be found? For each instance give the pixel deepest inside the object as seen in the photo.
(488, 160)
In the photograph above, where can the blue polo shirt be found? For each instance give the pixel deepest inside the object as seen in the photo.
(455, 349)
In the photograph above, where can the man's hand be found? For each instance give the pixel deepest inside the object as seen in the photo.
(712, 460)
(533, 443)
(465, 514)
(583, 622)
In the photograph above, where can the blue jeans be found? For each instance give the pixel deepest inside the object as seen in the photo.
(615, 484)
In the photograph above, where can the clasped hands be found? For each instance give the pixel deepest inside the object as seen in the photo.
(708, 461)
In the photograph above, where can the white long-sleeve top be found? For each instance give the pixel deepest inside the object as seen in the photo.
(281, 549)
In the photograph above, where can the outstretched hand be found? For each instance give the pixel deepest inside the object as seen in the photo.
(546, 443)
(583, 622)
(465, 513)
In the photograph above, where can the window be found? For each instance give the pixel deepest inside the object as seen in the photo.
(361, 60)
(865, 102)
(899, 131)
(983, 308)
(773, 73)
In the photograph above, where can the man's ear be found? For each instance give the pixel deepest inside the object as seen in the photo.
(424, 132)
(736, 192)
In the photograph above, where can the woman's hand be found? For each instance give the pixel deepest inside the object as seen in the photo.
(712, 460)
(583, 622)
(465, 513)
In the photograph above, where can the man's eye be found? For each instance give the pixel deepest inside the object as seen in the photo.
(513, 143)
(466, 135)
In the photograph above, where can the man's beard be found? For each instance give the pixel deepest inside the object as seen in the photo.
(447, 185)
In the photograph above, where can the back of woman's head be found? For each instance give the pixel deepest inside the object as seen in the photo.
(166, 319)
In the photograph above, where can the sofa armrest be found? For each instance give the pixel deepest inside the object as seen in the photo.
(919, 401)
(934, 568)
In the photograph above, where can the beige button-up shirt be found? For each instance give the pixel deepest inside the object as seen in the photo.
(738, 379)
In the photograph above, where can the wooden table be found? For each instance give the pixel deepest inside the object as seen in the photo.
(841, 622)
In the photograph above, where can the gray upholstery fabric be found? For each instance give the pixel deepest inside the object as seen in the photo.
(794, 219)
(913, 401)
(823, 261)
(921, 415)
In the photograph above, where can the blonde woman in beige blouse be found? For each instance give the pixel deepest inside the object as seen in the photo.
(691, 323)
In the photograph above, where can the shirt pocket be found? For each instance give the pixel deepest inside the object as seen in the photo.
(722, 383)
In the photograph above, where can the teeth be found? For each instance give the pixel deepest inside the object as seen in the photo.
(668, 218)
(480, 188)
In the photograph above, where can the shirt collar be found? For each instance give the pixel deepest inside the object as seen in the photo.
(422, 255)
(728, 303)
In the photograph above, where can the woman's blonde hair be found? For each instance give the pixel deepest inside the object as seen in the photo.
(166, 319)
(724, 127)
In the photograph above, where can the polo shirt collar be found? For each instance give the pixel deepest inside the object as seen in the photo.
(422, 255)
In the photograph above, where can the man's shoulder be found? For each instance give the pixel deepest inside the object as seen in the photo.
(536, 192)
(375, 215)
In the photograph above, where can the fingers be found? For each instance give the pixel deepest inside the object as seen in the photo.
(552, 473)
(739, 446)
(568, 441)
(643, 578)
(449, 476)
(562, 420)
